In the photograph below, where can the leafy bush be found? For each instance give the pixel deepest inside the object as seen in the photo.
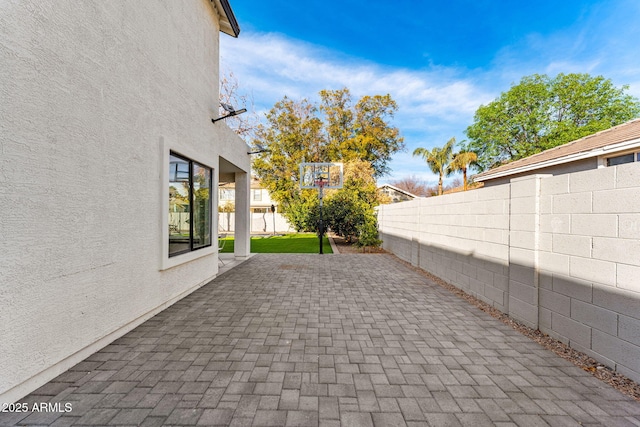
(348, 211)
(304, 213)
(368, 232)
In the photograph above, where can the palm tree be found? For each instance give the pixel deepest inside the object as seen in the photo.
(461, 162)
(438, 159)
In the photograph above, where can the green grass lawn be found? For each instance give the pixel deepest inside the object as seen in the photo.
(305, 243)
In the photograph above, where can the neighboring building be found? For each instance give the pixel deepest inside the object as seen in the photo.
(262, 218)
(614, 146)
(396, 194)
(108, 159)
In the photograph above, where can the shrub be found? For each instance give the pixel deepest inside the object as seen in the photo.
(368, 232)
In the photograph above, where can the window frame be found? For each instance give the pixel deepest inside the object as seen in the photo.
(226, 194)
(635, 158)
(192, 247)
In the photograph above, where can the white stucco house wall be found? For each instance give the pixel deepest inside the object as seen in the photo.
(106, 132)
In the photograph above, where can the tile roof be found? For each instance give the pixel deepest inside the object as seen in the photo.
(628, 131)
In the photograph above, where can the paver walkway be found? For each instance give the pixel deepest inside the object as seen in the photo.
(307, 340)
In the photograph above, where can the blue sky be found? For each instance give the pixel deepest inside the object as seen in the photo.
(439, 60)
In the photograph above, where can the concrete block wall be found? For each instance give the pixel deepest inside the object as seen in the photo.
(590, 263)
(462, 238)
(523, 249)
(558, 253)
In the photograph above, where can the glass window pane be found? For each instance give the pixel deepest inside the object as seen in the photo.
(227, 194)
(613, 161)
(201, 206)
(179, 205)
(178, 169)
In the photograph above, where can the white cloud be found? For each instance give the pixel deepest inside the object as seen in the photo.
(435, 103)
(271, 66)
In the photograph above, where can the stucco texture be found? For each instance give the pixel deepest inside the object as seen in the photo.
(93, 96)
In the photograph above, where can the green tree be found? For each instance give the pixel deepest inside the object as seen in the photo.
(335, 131)
(461, 162)
(293, 134)
(361, 131)
(304, 214)
(368, 231)
(350, 210)
(438, 159)
(543, 112)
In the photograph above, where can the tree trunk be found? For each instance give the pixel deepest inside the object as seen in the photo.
(464, 178)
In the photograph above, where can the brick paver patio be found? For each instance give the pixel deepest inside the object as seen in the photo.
(308, 340)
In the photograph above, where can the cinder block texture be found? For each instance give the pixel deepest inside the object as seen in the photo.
(627, 175)
(618, 300)
(623, 352)
(571, 329)
(594, 316)
(605, 225)
(553, 263)
(629, 226)
(588, 181)
(624, 200)
(629, 329)
(572, 203)
(625, 251)
(556, 223)
(628, 277)
(555, 302)
(572, 246)
(523, 311)
(572, 287)
(554, 185)
(593, 270)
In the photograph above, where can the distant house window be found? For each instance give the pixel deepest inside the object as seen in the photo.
(227, 194)
(257, 195)
(625, 158)
(189, 205)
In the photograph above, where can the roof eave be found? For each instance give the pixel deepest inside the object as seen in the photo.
(228, 23)
(626, 145)
(399, 190)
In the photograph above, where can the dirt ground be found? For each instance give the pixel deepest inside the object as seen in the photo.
(348, 248)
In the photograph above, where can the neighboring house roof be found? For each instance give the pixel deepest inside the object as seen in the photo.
(228, 23)
(618, 138)
(399, 190)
